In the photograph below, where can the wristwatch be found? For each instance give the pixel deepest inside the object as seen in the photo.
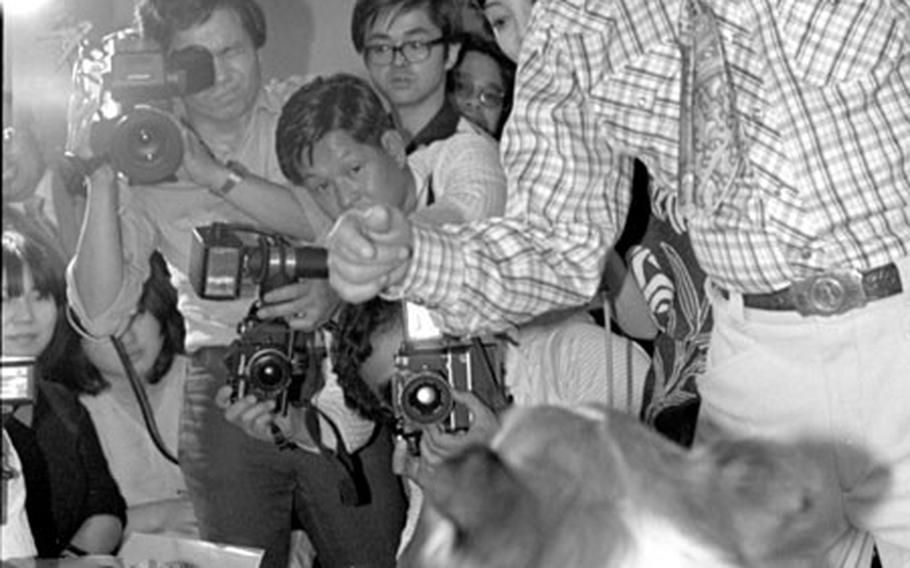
(236, 174)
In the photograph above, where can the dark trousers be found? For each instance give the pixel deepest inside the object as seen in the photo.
(246, 491)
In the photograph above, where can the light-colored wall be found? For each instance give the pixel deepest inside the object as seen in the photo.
(305, 37)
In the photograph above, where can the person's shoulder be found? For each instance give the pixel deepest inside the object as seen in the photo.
(467, 137)
(276, 91)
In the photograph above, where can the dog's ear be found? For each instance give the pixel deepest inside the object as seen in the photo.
(780, 498)
(484, 513)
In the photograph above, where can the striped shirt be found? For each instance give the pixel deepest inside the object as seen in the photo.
(801, 151)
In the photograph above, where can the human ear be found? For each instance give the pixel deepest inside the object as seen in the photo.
(393, 143)
(452, 55)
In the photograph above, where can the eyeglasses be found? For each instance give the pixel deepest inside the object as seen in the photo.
(490, 98)
(413, 51)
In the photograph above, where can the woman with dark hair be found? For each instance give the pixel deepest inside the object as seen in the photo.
(481, 82)
(153, 486)
(73, 503)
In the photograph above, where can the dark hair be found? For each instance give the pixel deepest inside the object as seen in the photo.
(159, 298)
(443, 13)
(351, 346)
(478, 44)
(23, 251)
(162, 19)
(339, 102)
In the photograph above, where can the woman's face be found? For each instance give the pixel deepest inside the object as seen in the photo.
(509, 20)
(29, 319)
(479, 90)
(142, 340)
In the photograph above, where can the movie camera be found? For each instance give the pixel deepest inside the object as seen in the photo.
(269, 360)
(134, 82)
(431, 366)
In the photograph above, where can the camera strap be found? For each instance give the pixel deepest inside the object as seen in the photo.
(353, 489)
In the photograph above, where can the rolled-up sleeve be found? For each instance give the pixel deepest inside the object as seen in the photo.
(139, 238)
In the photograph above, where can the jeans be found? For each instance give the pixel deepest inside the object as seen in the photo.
(246, 491)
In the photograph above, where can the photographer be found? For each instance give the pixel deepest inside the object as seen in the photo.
(243, 490)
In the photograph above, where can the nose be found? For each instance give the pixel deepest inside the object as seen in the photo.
(398, 58)
(349, 194)
(20, 310)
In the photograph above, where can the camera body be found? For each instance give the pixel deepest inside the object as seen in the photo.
(225, 257)
(17, 380)
(271, 361)
(431, 366)
(134, 82)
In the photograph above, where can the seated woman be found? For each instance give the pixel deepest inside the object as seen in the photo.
(152, 485)
(73, 503)
(480, 84)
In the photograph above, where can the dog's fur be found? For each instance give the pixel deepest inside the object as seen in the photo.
(595, 488)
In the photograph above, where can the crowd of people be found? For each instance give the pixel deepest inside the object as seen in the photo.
(485, 177)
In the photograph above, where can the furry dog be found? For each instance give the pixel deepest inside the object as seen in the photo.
(593, 488)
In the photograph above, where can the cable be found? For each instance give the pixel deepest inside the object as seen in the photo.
(147, 416)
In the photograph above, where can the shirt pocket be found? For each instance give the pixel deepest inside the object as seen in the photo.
(840, 41)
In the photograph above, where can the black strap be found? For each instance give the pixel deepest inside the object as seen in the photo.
(353, 489)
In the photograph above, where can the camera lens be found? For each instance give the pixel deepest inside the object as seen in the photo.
(426, 398)
(269, 371)
(146, 145)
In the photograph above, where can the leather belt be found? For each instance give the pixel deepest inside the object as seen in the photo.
(830, 293)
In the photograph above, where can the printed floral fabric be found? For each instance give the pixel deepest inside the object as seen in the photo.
(665, 268)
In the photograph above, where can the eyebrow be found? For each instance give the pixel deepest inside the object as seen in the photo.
(408, 33)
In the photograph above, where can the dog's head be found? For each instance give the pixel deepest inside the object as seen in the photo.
(596, 489)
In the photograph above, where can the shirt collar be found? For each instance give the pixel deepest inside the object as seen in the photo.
(441, 126)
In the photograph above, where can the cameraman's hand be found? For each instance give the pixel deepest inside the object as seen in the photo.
(199, 165)
(306, 305)
(437, 446)
(369, 250)
(256, 417)
(80, 114)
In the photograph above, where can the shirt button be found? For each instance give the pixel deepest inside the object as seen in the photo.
(758, 112)
(644, 102)
(806, 254)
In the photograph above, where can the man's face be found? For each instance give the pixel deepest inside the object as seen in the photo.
(402, 82)
(23, 164)
(342, 173)
(480, 90)
(237, 74)
(509, 20)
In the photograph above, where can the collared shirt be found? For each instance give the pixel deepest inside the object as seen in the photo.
(164, 217)
(819, 97)
(460, 175)
(443, 124)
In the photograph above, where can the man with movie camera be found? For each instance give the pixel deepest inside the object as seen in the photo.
(244, 491)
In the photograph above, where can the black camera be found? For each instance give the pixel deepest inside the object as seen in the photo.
(224, 257)
(269, 360)
(134, 81)
(431, 365)
(17, 384)
(272, 361)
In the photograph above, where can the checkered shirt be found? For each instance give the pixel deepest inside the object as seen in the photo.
(816, 146)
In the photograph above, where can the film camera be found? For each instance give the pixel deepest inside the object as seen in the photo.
(134, 81)
(431, 365)
(269, 360)
(17, 386)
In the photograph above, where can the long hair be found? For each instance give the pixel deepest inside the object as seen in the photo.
(26, 251)
(159, 298)
(351, 346)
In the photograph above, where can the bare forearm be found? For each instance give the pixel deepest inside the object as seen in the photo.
(280, 209)
(98, 263)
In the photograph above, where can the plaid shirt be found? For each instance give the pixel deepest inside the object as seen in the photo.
(800, 116)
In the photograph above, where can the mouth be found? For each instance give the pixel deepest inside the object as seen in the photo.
(20, 338)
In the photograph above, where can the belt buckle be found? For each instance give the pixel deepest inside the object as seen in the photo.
(829, 293)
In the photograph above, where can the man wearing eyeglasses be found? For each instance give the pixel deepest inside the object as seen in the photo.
(408, 47)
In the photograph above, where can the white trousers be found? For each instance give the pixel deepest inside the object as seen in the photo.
(843, 379)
